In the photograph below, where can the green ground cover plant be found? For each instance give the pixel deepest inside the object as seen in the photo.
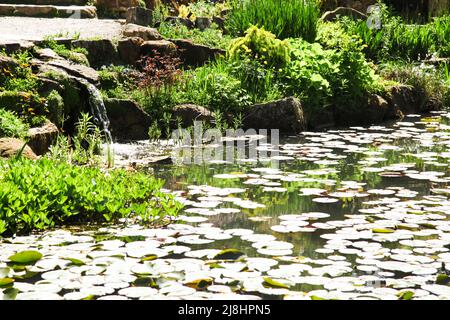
(12, 126)
(212, 37)
(36, 195)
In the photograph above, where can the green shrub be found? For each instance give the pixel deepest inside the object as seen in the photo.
(260, 45)
(284, 18)
(45, 193)
(355, 77)
(11, 126)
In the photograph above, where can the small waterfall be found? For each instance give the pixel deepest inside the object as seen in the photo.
(97, 106)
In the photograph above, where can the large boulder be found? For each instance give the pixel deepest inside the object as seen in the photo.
(163, 47)
(10, 147)
(285, 115)
(131, 30)
(195, 54)
(7, 63)
(187, 114)
(405, 99)
(100, 51)
(42, 138)
(140, 16)
(374, 109)
(323, 119)
(130, 50)
(127, 120)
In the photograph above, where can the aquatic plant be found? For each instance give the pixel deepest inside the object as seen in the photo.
(44, 193)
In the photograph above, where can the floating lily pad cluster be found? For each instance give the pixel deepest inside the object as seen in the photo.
(361, 213)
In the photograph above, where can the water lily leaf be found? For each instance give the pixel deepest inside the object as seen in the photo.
(4, 272)
(26, 257)
(9, 294)
(4, 282)
(199, 283)
(75, 262)
(228, 254)
(268, 282)
(383, 230)
(442, 278)
(406, 295)
(149, 257)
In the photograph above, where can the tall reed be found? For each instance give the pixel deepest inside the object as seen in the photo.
(284, 18)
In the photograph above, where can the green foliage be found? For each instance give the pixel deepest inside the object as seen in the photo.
(260, 45)
(430, 82)
(310, 74)
(11, 126)
(83, 148)
(21, 78)
(55, 106)
(211, 37)
(284, 18)
(77, 55)
(355, 77)
(397, 39)
(214, 86)
(45, 193)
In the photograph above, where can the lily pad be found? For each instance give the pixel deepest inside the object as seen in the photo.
(26, 257)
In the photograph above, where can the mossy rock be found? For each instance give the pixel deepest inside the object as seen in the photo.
(55, 106)
(12, 100)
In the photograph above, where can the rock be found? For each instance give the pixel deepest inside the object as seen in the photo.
(130, 50)
(100, 51)
(343, 12)
(187, 114)
(285, 115)
(7, 63)
(15, 46)
(10, 147)
(140, 16)
(127, 120)
(77, 70)
(374, 110)
(405, 99)
(42, 138)
(13, 100)
(47, 54)
(202, 23)
(146, 33)
(160, 160)
(195, 54)
(163, 47)
(321, 120)
(183, 21)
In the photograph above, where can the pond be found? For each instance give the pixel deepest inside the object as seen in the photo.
(357, 213)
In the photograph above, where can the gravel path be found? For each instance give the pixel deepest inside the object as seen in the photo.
(24, 28)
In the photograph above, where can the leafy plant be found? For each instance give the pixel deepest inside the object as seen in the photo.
(284, 18)
(77, 55)
(11, 126)
(212, 37)
(44, 193)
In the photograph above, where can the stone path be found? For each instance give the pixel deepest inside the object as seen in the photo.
(25, 28)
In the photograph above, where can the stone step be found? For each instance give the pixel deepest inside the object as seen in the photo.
(48, 2)
(48, 11)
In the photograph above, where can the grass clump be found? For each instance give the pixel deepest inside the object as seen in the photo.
(77, 55)
(284, 18)
(43, 194)
(398, 39)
